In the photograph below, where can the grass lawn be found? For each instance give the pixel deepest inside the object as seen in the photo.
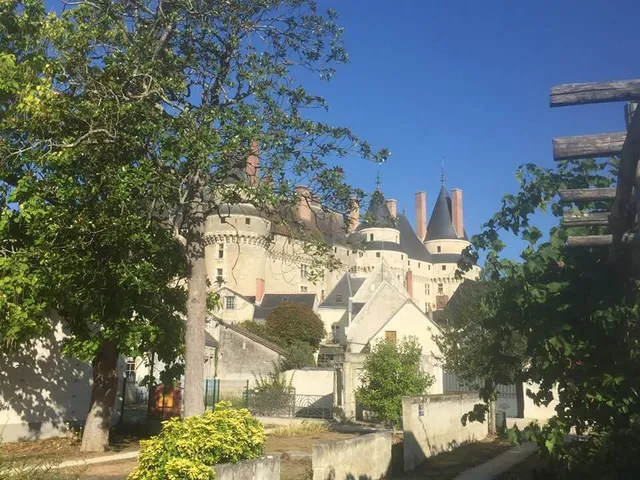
(448, 465)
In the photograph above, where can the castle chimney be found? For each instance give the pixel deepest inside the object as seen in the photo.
(409, 282)
(353, 219)
(259, 290)
(392, 205)
(421, 215)
(456, 211)
(304, 203)
(253, 162)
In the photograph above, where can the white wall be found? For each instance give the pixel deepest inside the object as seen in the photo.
(431, 425)
(41, 390)
(311, 381)
(541, 412)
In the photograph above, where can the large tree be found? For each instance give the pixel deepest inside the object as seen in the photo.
(192, 89)
(76, 233)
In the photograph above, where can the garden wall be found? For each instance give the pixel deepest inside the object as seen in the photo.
(264, 468)
(367, 457)
(432, 425)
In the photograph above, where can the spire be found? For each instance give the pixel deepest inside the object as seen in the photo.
(442, 173)
(441, 224)
(378, 181)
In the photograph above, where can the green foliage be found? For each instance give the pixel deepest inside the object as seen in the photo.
(391, 371)
(275, 381)
(295, 322)
(578, 312)
(187, 449)
(299, 355)
(260, 329)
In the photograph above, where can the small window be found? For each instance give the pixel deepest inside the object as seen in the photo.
(429, 267)
(401, 257)
(230, 303)
(221, 250)
(335, 249)
(390, 336)
(427, 289)
(321, 295)
(444, 267)
(220, 273)
(354, 251)
(338, 298)
(378, 254)
(131, 369)
(335, 333)
(371, 237)
(418, 264)
(247, 221)
(303, 271)
(304, 289)
(361, 254)
(409, 263)
(440, 289)
(347, 253)
(439, 248)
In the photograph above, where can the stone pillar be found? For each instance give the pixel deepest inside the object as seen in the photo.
(456, 211)
(421, 215)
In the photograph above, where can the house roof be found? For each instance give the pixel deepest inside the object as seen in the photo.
(209, 341)
(272, 300)
(253, 337)
(346, 287)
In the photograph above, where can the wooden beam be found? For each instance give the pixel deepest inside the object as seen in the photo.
(598, 92)
(596, 219)
(596, 240)
(583, 195)
(587, 146)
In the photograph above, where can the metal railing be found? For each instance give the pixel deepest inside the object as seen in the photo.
(289, 404)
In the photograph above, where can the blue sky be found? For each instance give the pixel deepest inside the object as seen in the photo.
(469, 81)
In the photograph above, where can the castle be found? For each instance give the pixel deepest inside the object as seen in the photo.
(252, 257)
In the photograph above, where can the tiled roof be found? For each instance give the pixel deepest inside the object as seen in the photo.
(378, 214)
(346, 287)
(256, 338)
(272, 300)
(441, 225)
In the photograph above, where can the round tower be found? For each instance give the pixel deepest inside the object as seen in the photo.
(236, 240)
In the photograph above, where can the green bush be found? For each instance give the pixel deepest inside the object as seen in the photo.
(299, 355)
(187, 449)
(295, 322)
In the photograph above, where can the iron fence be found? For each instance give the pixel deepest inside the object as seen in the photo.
(289, 404)
(452, 384)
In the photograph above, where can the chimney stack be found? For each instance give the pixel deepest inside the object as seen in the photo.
(304, 203)
(456, 211)
(421, 215)
(353, 219)
(253, 162)
(392, 205)
(259, 290)
(409, 282)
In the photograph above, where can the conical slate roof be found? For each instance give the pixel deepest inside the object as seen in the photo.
(378, 214)
(441, 225)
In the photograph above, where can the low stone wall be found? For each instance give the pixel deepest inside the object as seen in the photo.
(367, 457)
(432, 425)
(265, 468)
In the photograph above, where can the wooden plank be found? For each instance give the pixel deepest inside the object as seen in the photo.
(588, 146)
(596, 240)
(621, 221)
(579, 195)
(596, 219)
(597, 92)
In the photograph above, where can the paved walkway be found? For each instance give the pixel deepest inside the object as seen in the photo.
(500, 464)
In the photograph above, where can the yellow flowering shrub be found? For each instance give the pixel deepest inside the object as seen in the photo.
(187, 449)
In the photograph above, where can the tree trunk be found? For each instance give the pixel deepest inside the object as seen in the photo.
(196, 313)
(95, 437)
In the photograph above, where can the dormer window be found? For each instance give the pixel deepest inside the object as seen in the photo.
(338, 298)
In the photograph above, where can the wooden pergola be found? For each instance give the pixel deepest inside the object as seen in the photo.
(621, 220)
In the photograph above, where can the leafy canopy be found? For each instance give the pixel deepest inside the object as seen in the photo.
(390, 372)
(294, 322)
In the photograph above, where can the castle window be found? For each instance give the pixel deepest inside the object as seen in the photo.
(439, 248)
(221, 250)
(304, 289)
(347, 253)
(338, 298)
(335, 333)
(401, 257)
(230, 302)
(303, 271)
(219, 274)
(378, 254)
(335, 249)
(408, 263)
(247, 221)
(321, 295)
(427, 289)
(371, 237)
(444, 267)
(418, 264)
(361, 254)
(429, 267)
(440, 289)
